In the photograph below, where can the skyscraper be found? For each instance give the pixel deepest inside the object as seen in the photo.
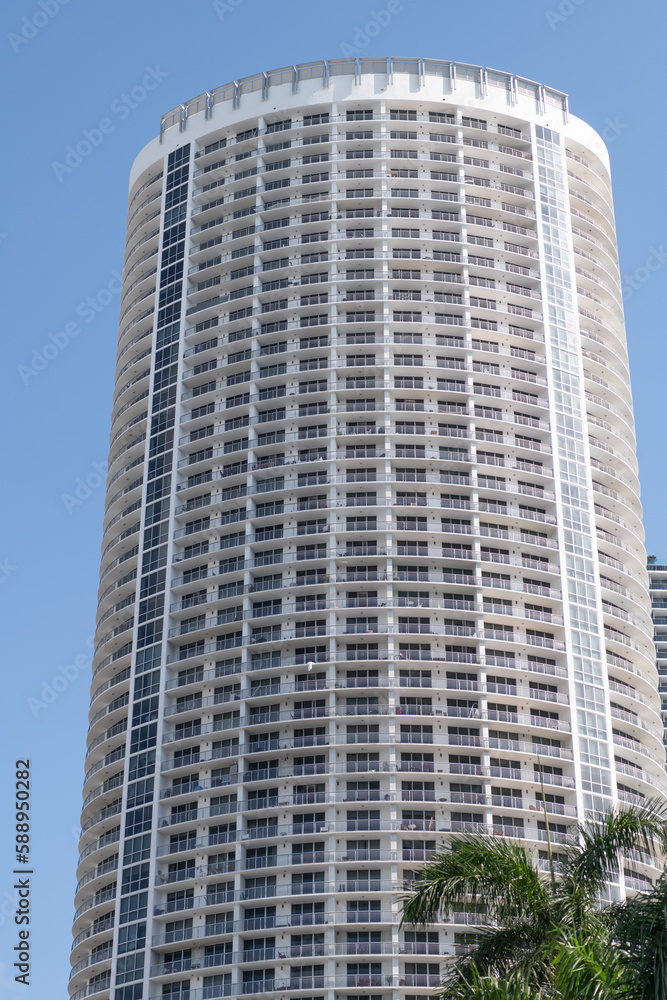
(373, 564)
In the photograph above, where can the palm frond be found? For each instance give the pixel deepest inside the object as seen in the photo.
(549, 937)
(641, 933)
(500, 875)
(517, 948)
(587, 968)
(489, 987)
(596, 854)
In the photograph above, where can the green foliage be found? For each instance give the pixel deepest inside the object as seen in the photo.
(545, 933)
(641, 931)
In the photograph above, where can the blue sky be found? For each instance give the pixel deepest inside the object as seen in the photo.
(65, 66)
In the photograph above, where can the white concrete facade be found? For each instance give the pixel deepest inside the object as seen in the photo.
(657, 572)
(373, 567)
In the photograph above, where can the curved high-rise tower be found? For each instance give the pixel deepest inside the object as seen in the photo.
(373, 564)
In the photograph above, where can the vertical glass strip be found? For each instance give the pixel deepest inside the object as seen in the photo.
(584, 628)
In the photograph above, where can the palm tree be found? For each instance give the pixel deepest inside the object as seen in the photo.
(545, 933)
(640, 930)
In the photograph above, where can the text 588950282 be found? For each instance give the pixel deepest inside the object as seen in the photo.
(22, 884)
